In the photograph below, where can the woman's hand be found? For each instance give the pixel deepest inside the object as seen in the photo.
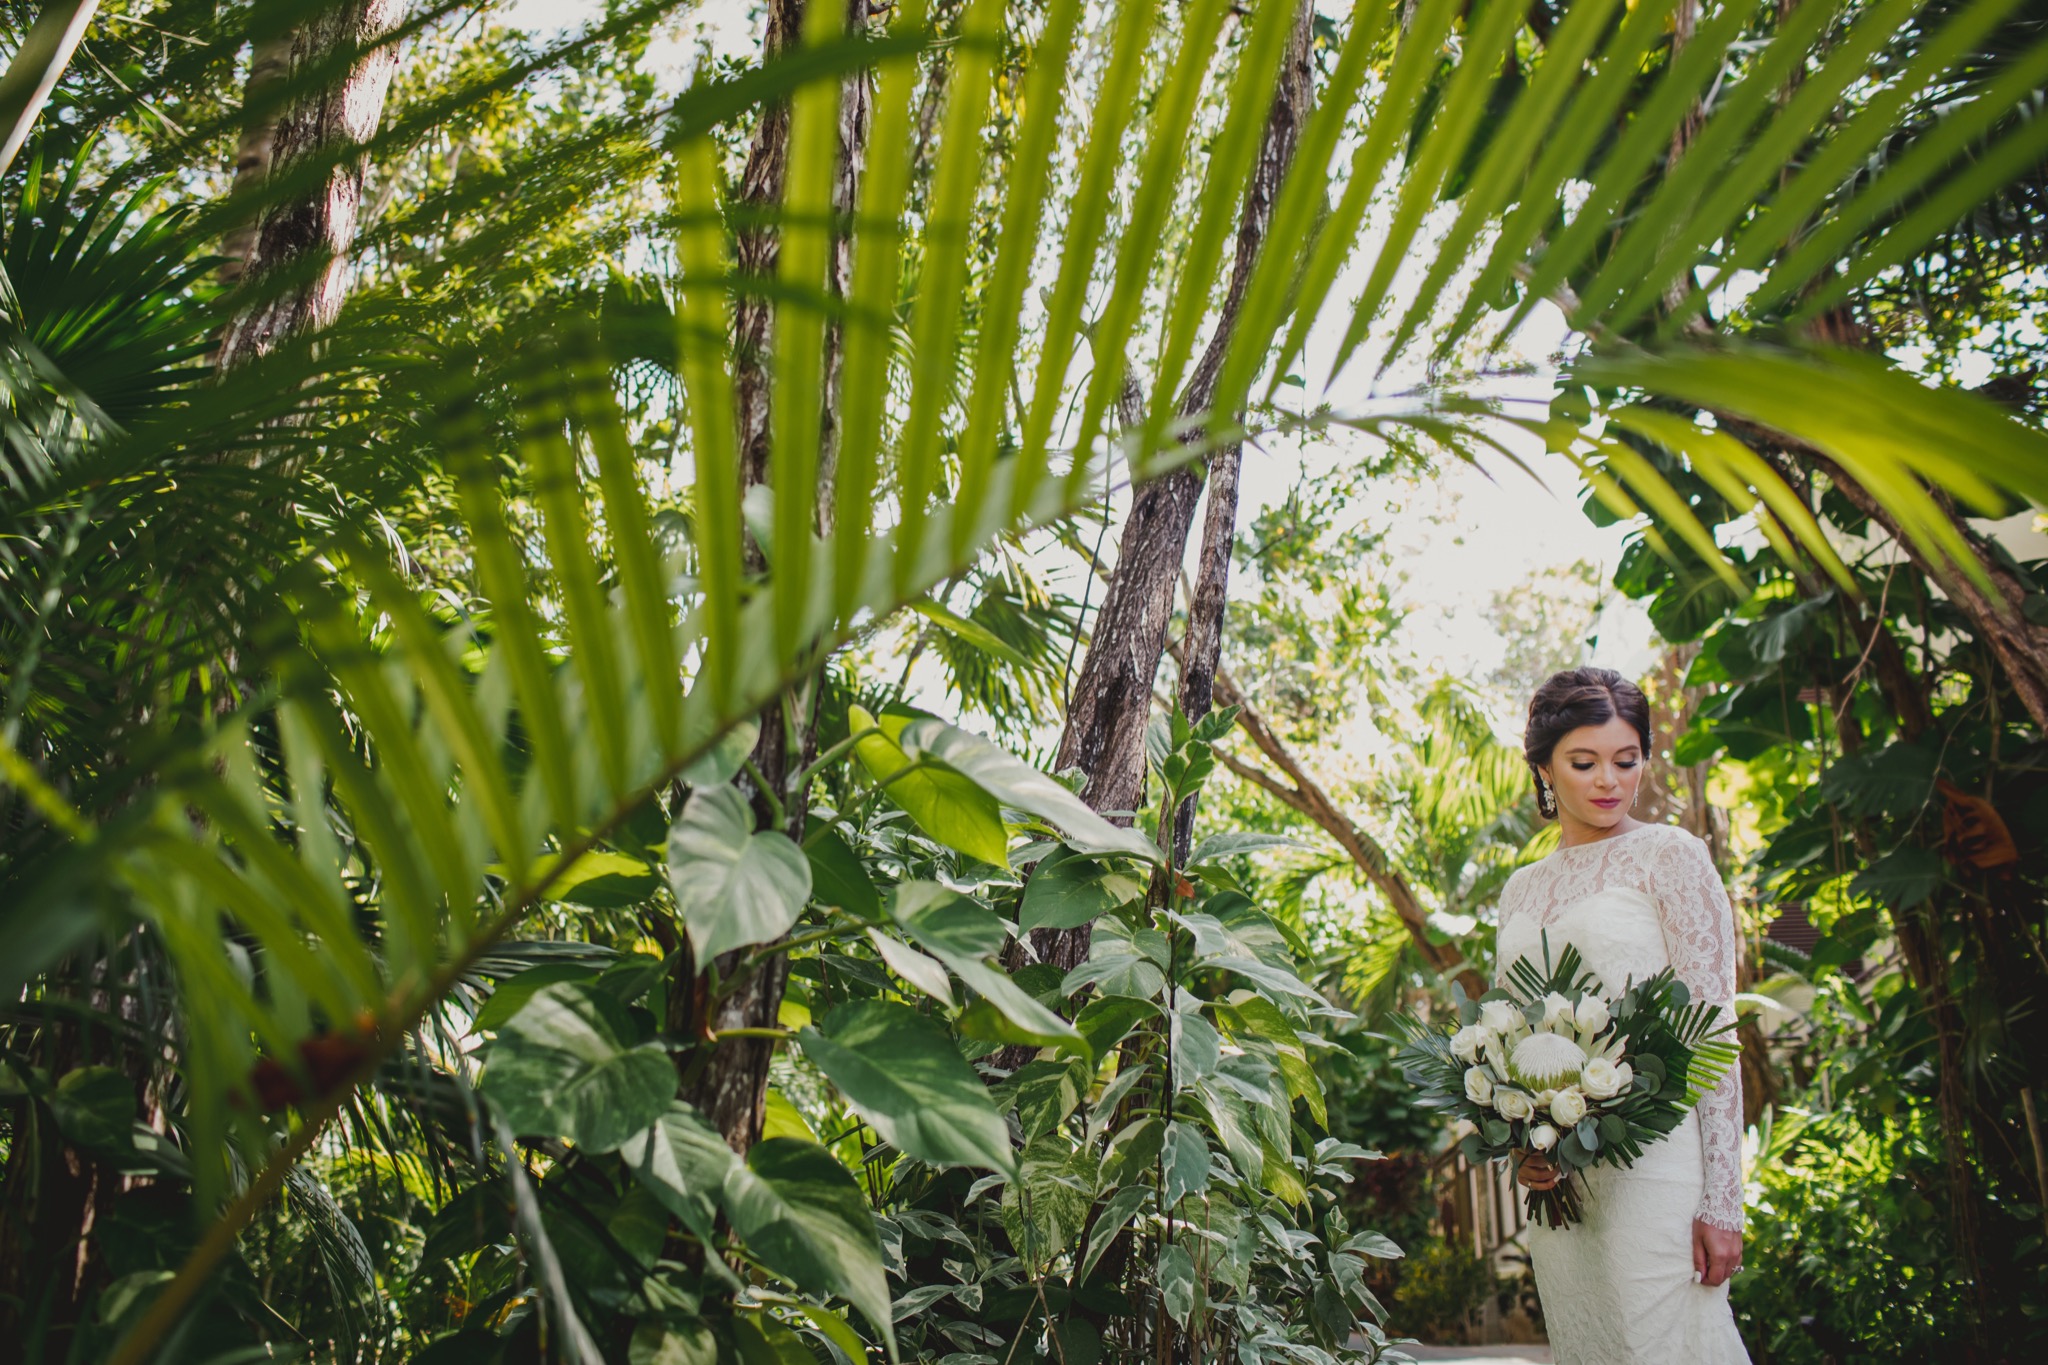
(1716, 1253)
(1537, 1173)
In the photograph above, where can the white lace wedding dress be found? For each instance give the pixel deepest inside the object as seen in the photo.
(1618, 1288)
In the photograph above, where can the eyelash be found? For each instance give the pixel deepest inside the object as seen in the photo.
(1587, 767)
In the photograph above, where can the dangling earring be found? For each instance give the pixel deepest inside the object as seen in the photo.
(1546, 799)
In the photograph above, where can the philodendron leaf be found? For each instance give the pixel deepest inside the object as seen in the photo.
(905, 1076)
(684, 1163)
(1016, 783)
(945, 804)
(563, 1066)
(963, 935)
(735, 886)
(1184, 1162)
(799, 1211)
(1068, 890)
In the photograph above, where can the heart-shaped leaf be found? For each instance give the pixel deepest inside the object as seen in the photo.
(947, 805)
(1068, 890)
(735, 886)
(799, 1211)
(563, 1066)
(905, 1076)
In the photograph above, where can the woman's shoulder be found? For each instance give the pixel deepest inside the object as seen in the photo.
(1674, 852)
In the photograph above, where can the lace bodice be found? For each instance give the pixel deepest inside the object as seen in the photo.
(1632, 904)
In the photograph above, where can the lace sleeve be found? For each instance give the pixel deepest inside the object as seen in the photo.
(1699, 934)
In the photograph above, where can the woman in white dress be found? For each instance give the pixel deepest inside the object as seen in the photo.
(1643, 1280)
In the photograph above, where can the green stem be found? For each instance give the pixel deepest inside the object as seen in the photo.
(829, 757)
(778, 818)
(780, 1035)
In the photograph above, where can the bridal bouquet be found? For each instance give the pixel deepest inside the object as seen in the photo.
(1550, 1067)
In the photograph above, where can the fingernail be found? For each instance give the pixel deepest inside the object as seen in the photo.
(1696, 1277)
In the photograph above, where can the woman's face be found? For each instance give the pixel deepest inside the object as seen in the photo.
(1595, 770)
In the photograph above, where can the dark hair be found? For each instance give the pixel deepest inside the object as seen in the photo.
(1575, 698)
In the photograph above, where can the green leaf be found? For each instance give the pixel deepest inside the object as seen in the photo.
(961, 934)
(837, 876)
(1016, 783)
(657, 1343)
(1184, 1161)
(1177, 1281)
(1068, 890)
(682, 1161)
(1231, 843)
(972, 632)
(927, 974)
(561, 1066)
(1122, 1206)
(902, 1073)
(802, 1214)
(95, 1109)
(1902, 878)
(510, 995)
(1105, 1020)
(1046, 1206)
(736, 887)
(1121, 961)
(946, 805)
(764, 1341)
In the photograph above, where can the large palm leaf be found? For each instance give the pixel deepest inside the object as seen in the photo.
(473, 761)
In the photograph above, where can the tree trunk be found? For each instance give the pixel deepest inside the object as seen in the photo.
(1105, 729)
(297, 273)
(730, 1084)
(269, 64)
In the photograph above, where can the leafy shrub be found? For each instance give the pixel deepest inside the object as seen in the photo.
(1442, 1281)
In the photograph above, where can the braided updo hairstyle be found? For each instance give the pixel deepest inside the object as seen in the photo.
(1575, 698)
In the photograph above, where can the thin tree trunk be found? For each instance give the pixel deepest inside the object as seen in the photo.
(297, 272)
(1105, 729)
(1299, 790)
(730, 1084)
(269, 64)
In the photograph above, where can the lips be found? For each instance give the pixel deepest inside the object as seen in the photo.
(1608, 803)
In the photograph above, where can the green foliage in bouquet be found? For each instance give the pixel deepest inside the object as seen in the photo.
(1549, 1066)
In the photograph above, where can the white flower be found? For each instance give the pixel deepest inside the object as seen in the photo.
(1502, 1017)
(1465, 1043)
(1591, 1015)
(1478, 1085)
(1544, 1097)
(1569, 1107)
(1514, 1104)
(1543, 1137)
(1624, 1075)
(1558, 1010)
(1601, 1080)
(1543, 1060)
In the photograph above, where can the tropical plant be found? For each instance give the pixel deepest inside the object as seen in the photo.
(283, 866)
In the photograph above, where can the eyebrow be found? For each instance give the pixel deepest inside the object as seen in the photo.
(1595, 753)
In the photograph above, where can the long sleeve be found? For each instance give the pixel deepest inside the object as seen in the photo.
(1699, 934)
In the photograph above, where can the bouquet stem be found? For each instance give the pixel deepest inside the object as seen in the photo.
(1559, 1206)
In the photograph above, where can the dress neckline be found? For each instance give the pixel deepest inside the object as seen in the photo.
(1602, 843)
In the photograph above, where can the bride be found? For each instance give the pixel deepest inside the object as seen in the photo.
(1643, 1280)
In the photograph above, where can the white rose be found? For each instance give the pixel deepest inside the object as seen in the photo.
(1624, 1076)
(1592, 1015)
(1465, 1043)
(1514, 1105)
(1544, 1097)
(1558, 1010)
(1543, 1137)
(1569, 1107)
(1501, 1017)
(1601, 1080)
(1478, 1086)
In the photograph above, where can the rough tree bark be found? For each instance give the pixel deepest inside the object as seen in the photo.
(728, 1081)
(1105, 729)
(269, 64)
(297, 271)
